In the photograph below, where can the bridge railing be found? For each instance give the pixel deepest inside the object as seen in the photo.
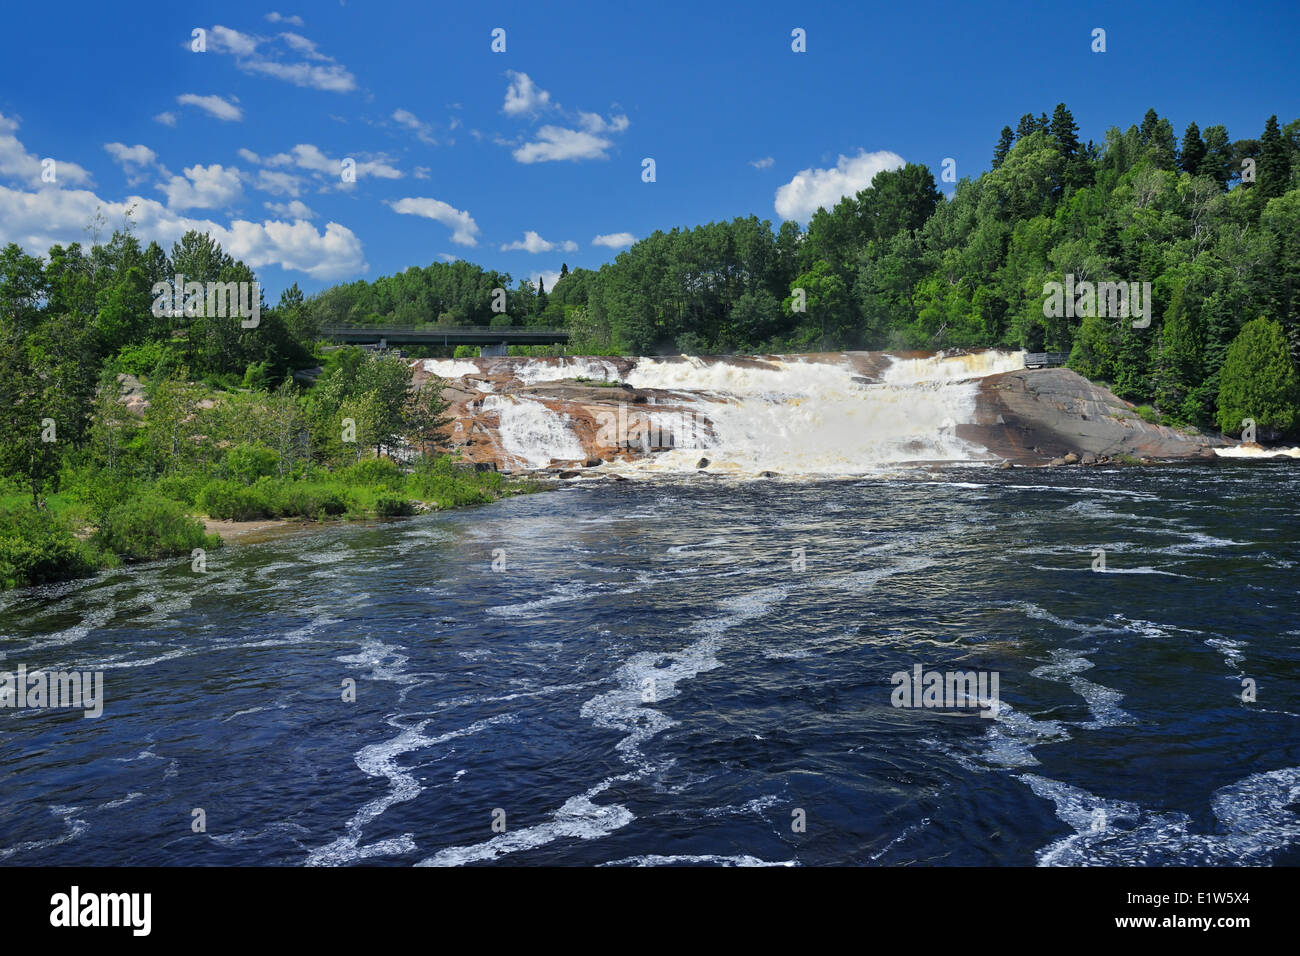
(438, 330)
(1038, 359)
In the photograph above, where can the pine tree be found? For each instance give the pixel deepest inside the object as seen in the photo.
(1148, 128)
(1026, 126)
(1218, 155)
(1193, 154)
(1003, 147)
(564, 269)
(1065, 131)
(1274, 164)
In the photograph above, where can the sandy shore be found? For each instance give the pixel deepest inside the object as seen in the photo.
(251, 532)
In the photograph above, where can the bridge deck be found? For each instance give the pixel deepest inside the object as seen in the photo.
(462, 335)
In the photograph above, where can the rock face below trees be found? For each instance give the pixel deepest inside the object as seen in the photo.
(1033, 417)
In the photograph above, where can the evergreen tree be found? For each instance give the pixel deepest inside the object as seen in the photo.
(1259, 382)
(1218, 155)
(1274, 164)
(1193, 154)
(1148, 128)
(1005, 142)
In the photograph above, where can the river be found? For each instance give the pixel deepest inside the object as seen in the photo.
(692, 670)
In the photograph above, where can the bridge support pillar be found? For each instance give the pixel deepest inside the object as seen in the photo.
(488, 351)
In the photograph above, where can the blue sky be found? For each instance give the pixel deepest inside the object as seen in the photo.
(521, 160)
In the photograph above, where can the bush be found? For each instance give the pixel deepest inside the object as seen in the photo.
(248, 463)
(36, 547)
(152, 527)
(230, 499)
(1148, 414)
(182, 488)
(145, 358)
(393, 507)
(307, 499)
(373, 471)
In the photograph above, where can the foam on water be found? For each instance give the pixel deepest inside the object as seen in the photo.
(531, 433)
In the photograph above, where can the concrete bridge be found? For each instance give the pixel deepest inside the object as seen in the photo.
(492, 339)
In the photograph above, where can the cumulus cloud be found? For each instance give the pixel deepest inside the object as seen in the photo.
(38, 220)
(203, 187)
(813, 189)
(549, 276)
(595, 123)
(274, 17)
(763, 163)
(557, 144)
(267, 56)
(534, 243)
(167, 119)
(423, 131)
(134, 160)
(292, 209)
(524, 97)
(614, 240)
(20, 166)
(323, 168)
(464, 228)
(213, 105)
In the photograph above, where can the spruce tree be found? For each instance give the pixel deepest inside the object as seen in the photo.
(1274, 164)
(1193, 150)
(1218, 155)
(1005, 142)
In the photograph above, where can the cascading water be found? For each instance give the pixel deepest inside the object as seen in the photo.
(806, 417)
(531, 432)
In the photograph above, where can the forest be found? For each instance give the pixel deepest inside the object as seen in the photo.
(119, 423)
(1212, 223)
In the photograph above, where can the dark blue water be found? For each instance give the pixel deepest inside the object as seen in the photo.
(1122, 736)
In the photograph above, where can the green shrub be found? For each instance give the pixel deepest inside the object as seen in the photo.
(152, 527)
(382, 472)
(145, 358)
(247, 463)
(36, 547)
(307, 499)
(230, 499)
(182, 488)
(387, 507)
(1148, 414)
(1259, 382)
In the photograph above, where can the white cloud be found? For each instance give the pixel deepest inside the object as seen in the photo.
(38, 220)
(293, 209)
(423, 131)
(274, 17)
(448, 257)
(813, 189)
(278, 183)
(523, 97)
(421, 172)
(557, 144)
(550, 276)
(464, 228)
(256, 54)
(213, 105)
(21, 166)
(763, 163)
(134, 160)
(203, 187)
(595, 123)
(323, 168)
(534, 243)
(167, 119)
(614, 240)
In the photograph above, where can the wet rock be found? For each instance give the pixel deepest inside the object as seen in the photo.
(1089, 459)
(593, 462)
(1071, 459)
(767, 474)
(1006, 465)
(702, 463)
(570, 474)
(1056, 463)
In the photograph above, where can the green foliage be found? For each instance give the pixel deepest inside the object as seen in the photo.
(230, 499)
(36, 547)
(247, 463)
(1259, 382)
(149, 527)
